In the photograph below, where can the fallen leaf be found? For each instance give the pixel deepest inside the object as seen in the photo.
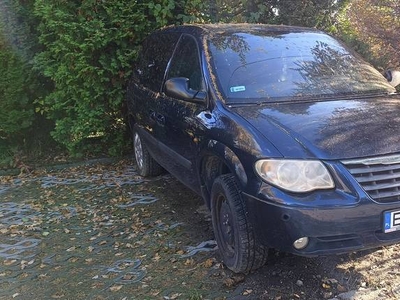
(229, 282)
(332, 281)
(174, 296)
(156, 257)
(326, 286)
(341, 288)
(189, 262)
(247, 292)
(57, 296)
(9, 262)
(234, 280)
(128, 277)
(115, 288)
(208, 263)
(73, 259)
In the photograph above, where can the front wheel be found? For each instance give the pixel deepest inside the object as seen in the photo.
(146, 165)
(234, 233)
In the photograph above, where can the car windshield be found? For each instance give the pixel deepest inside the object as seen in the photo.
(274, 66)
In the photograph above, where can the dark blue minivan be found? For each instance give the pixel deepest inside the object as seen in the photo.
(292, 139)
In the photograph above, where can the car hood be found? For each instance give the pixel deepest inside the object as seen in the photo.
(329, 129)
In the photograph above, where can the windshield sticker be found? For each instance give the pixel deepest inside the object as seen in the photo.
(240, 88)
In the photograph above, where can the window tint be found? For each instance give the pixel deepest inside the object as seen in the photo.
(156, 52)
(186, 63)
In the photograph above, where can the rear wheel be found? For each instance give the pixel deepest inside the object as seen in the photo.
(146, 165)
(234, 233)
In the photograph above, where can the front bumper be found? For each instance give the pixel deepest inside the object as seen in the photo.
(331, 229)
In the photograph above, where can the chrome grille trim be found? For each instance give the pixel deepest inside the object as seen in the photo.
(378, 176)
(382, 160)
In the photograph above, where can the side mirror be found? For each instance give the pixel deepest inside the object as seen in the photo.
(178, 88)
(393, 76)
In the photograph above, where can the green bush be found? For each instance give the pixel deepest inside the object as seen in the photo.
(20, 85)
(89, 47)
(16, 114)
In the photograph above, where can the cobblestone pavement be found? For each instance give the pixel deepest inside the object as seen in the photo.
(103, 232)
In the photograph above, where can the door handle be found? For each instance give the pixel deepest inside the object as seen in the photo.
(153, 115)
(160, 119)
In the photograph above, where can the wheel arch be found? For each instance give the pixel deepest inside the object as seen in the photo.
(218, 159)
(131, 122)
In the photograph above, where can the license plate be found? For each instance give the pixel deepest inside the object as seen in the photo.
(391, 221)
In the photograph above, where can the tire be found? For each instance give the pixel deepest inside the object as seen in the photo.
(146, 165)
(234, 234)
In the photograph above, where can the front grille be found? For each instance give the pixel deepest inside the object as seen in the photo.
(378, 176)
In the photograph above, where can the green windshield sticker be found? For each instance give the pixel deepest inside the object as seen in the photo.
(240, 88)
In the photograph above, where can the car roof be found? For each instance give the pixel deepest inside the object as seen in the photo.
(228, 28)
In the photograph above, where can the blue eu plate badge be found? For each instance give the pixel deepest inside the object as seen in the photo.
(391, 221)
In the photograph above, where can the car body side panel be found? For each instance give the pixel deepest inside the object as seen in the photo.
(180, 132)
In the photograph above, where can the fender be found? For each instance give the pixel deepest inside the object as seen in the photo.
(231, 160)
(227, 158)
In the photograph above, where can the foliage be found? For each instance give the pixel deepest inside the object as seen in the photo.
(16, 112)
(311, 13)
(89, 47)
(372, 27)
(320, 14)
(20, 85)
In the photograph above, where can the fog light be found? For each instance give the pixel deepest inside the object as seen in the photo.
(301, 243)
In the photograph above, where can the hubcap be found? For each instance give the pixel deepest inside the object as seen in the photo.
(138, 151)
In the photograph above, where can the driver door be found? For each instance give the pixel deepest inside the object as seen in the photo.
(179, 129)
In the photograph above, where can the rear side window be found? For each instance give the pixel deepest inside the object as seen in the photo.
(156, 52)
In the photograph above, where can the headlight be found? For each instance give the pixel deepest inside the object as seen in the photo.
(295, 175)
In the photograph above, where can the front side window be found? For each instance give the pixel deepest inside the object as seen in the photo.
(156, 52)
(285, 66)
(186, 63)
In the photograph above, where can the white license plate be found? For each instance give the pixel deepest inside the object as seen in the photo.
(391, 221)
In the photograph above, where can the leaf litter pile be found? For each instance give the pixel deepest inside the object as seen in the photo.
(103, 232)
